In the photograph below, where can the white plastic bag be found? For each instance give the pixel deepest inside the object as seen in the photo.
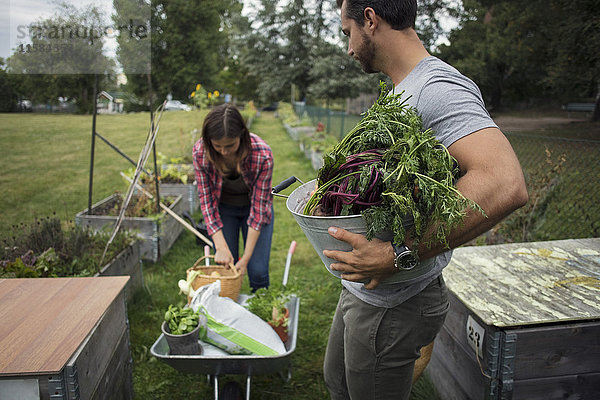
(233, 328)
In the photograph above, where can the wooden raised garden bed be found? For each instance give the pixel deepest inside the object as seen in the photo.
(523, 324)
(157, 234)
(127, 263)
(187, 191)
(65, 338)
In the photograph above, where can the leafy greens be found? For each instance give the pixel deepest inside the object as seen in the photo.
(394, 173)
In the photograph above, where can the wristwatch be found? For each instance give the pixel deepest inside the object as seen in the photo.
(404, 259)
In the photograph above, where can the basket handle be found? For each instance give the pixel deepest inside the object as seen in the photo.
(230, 265)
(234, 269)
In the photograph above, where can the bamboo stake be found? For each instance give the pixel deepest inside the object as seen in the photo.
(171, 212)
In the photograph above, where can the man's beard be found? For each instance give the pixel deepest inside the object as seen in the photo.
(366, 55)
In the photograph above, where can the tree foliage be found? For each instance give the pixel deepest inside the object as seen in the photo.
(522, 52)
(62, 58)
(189, 46)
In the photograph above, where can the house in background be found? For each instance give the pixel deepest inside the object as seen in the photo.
(110, 102)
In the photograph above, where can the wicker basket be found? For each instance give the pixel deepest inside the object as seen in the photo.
(230, 277)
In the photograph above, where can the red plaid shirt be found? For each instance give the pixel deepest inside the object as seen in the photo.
(257, 171)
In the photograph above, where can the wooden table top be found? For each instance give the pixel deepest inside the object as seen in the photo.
(528, 283)
(45, 320)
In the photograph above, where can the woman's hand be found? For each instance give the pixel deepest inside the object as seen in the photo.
(223, 256)
(242, 265)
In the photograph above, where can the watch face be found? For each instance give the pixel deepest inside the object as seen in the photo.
(406, 261)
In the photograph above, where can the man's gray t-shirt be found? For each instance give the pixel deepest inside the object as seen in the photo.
(452, 106)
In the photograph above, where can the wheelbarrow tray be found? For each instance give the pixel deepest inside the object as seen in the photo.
(216, 362)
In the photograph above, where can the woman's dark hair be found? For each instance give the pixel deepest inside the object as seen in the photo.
(225, 121)
(400, 14)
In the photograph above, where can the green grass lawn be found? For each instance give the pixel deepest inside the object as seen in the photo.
(45, 169)
(317, 289)
(45, 159)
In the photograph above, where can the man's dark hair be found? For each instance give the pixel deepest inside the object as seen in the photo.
(400, 14)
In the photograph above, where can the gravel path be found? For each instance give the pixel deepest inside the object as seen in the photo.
(519, 124)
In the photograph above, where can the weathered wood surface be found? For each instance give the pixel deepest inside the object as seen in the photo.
(155, 234)
(127, 263)
(454, 368)
(117, 381)
(576, 387)
(528, 283)
(94, 356)
(45, 320)
(187, 191)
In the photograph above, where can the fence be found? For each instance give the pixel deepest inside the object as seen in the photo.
(565, 198)
(568, 200)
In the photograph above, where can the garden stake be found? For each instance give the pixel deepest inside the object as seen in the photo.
(150, 139)
(171, 212)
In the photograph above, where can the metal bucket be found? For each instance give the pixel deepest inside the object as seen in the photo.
(315, 229)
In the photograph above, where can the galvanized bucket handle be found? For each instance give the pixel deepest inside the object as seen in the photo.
(284, 185)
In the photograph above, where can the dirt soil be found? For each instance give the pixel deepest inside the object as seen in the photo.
(520, 124)
(561, 124)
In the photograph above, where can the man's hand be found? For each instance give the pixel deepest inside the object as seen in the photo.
(370, 261)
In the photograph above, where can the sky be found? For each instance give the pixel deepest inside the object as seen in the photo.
(15, 13)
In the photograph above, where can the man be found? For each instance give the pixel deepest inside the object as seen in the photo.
(379, 329)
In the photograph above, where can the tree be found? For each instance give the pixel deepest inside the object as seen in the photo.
(574, 61)
(430, 14)
(9, 87)
(336, 76)
(64, 54)
(188, 46)
(518, 52)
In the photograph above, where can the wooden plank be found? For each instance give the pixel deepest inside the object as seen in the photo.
(147, 228)
(456, 324)
(45, 320)
(558, 350)
(93, 356)
(580, 387)
(127, 263)
(117, 381)
(189, 193)
(458, 374)
(528, 283)
(454, 375)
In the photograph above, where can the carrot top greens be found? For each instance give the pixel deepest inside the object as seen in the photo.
(392, 171)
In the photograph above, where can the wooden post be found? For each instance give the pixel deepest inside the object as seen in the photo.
(95, 112)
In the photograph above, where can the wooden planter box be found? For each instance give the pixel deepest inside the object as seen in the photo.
(295, 132)
(127, 263)
(156, 235)
(316, 159)
(188, 193)
(524, 323)
(64, 338)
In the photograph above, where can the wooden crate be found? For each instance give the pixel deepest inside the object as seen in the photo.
(64, 338)
(187, 191)
(127, 263)
(524, 323)
(157, 235)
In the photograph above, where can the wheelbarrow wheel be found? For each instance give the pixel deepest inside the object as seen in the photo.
(231, 391)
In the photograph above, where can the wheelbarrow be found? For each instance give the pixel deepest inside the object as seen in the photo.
(214, 362)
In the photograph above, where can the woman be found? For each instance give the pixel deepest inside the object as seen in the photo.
(234, 169)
